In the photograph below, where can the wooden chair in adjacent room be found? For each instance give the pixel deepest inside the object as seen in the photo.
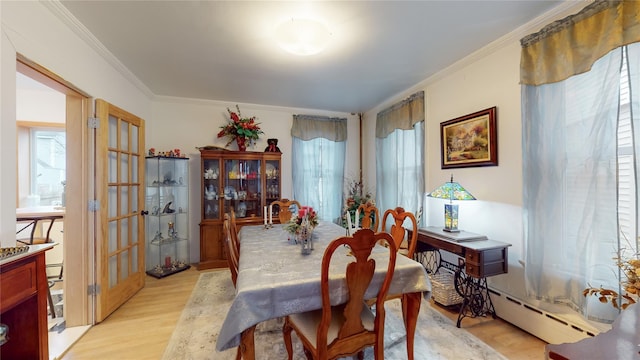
(34, 239)
(367, 211)
(346, 329)
(284, 211)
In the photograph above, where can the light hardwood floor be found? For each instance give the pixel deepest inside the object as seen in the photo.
(141, 328)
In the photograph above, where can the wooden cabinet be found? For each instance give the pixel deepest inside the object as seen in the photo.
(244, 181)
(23, 305)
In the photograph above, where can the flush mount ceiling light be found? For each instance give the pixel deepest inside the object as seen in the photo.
(302, 37)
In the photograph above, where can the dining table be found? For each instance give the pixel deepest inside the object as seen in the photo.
(275, 280)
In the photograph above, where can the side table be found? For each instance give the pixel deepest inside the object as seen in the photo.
(478, 258)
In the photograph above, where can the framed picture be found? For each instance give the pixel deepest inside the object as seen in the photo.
(470, 140)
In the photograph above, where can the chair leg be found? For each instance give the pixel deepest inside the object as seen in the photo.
(51, 306)
(239, 354)
(286, 334)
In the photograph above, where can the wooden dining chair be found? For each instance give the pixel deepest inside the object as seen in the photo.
(230, 248)
(233, 258)
(284, 211)
(233, 227)
(406, 245)
(368, 211)
(343, 330)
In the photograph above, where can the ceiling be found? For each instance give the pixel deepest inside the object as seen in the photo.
(224, 50)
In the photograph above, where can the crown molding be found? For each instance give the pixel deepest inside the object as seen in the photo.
(61, 12)
(563, 10)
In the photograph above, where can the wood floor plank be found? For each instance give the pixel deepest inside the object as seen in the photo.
(141, 328)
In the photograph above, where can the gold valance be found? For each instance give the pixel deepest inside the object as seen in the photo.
(403, 115)
(570, 46)
(307, 127)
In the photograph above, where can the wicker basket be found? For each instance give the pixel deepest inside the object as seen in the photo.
(443, 289)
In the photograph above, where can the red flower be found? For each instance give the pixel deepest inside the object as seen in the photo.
(239, 127)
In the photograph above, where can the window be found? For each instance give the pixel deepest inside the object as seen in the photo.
(48, 166)
(318, 153)
(579, 172)
(400, 155)
(41, 162)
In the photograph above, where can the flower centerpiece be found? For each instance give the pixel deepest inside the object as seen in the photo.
(630, 268)
(244, 131)
(295, 224)
(356, 196)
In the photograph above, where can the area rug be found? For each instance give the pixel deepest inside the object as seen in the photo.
(196, 332)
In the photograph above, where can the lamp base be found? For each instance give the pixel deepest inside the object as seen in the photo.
(451, 230)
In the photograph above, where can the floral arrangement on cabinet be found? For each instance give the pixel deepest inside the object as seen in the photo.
(244, 131)
(630, 269)
(356, 196)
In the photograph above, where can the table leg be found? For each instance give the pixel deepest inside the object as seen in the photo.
(476, 300)
(247, 345)
(410, 310)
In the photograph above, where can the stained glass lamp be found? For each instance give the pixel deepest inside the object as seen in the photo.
(451, 191)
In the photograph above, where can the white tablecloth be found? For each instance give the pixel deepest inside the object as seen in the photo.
(275, 279)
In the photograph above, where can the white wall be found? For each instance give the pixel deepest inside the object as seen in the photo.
(31, 29)
(187, 124)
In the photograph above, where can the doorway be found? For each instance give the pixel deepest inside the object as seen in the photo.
(59, 108)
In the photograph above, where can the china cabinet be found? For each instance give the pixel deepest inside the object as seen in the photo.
(244, 181)
(167, 217)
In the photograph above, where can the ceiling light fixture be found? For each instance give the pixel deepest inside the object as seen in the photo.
(302, 37)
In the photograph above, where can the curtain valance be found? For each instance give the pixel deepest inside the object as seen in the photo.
(403, 115)
(570, 46)
(307, 127)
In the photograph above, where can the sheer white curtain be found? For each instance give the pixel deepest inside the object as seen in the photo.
(400, 155)
(318, 154)
(570, 186)
(580, 163)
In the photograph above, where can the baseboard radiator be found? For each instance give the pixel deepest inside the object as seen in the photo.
(540, 323)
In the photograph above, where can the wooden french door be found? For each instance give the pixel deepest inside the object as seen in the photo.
(120, 270)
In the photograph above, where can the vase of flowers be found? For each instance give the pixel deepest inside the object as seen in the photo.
(356, 196)
(306, 217)
(244, 131)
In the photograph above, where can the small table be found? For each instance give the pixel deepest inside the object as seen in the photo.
(38, 213)
(479, 258)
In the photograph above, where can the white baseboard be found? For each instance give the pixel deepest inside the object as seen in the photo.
(553, 328)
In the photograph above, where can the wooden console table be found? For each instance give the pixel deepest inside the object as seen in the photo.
(479, 258)
(622, 342)
(23, 304)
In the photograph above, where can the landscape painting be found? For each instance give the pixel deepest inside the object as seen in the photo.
(470, 140)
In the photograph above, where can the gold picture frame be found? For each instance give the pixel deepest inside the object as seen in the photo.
(470, 140)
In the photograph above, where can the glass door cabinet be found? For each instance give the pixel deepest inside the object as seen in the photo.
(167, 217)
(244, 181)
